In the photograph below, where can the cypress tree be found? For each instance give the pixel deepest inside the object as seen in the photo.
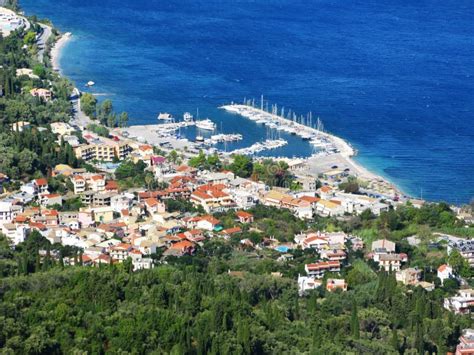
(394, 341)
(355, 328)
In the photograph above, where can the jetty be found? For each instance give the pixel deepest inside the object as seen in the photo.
(268, 144)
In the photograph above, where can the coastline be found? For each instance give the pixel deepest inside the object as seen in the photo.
(57, 49)
(344, 159)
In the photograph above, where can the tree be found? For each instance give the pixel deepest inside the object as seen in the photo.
(241, 166)
(355, 327)
(30, 38)
(88, 104)
(123, 120)
(39, 70)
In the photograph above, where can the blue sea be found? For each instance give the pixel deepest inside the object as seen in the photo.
(395, 78)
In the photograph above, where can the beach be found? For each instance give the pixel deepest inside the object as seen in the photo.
(56, 51)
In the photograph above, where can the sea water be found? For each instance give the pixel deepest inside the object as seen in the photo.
(395, 78)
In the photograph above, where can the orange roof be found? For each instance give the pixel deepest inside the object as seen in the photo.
(145, 147)
(20, 219)
(151, 201)
(310, 199)
(41, 182)
(326, 188)
(111, 185)
(185, 244)
(442, 268)
(233, 230)
(202, 195)
(243, 214)
(97, 177)
(51, 195)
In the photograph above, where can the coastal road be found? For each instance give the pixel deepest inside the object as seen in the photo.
(42, 40)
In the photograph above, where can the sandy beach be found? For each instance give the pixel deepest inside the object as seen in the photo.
(56, 51)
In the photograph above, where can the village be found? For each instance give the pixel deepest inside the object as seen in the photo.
(114, 224)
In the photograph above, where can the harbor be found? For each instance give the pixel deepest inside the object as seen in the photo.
(296, 125)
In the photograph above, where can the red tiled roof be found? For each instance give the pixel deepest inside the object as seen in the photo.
(41, 182)
(243, 214)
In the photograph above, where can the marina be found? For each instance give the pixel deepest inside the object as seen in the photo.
(295, 125)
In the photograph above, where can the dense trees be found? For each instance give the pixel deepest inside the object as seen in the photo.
(192, 306)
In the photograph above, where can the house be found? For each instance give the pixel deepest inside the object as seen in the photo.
(61, 128)
(465, 248)
(244, 217)
(79, 183)
(15, 233)
(20, 126)
(462, 303)
(41, 186)
(466, 343)
(329, 208)
(409, 276)
(336, 284)
(306, 283)
(230, 232)
(445, 272)
(180, 248)
(326, 192)
(383, 246)
(208, 223)
(389, 262)
(43, 94)
(333, 254)
(51, 199)
(96, 183)
(120, 251)
(213, 198)
(318, 269)
(153, 206)
(142, 263)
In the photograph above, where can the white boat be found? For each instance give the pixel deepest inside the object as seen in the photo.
(165, 117)
(188, 117)
(90, 83)
(206, 124)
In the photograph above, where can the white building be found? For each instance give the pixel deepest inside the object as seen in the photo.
(306, 283)
(445, 272)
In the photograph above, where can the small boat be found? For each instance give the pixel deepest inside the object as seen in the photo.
(90, 83)
(199, 139)
(206, 124)
(165, 117)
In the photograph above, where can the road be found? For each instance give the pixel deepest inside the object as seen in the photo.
(42, 40)
(79, 118)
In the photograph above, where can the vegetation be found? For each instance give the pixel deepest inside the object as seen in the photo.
(192, 305)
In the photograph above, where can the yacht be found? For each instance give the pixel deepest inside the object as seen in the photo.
(199, 138)
(188, 117)
(90, 83)
(165, 117)
(206, 124)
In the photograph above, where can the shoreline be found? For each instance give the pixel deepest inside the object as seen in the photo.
(345, 157)
(57, 49)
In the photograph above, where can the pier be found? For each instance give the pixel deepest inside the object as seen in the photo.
(260, 147)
